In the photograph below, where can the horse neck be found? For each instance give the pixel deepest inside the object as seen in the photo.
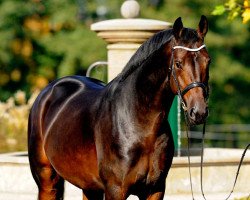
(153, 83)
(139, 104)
(147, 90)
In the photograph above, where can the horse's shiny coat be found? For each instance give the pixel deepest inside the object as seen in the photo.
(112, 141)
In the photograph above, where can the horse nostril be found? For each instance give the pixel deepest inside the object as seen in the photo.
(198, 115)
(192, 113)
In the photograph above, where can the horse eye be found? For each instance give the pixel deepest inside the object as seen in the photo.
(178, 64)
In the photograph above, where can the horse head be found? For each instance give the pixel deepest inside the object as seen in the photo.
(190, 69)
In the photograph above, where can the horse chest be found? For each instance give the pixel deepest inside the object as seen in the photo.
(151, 164)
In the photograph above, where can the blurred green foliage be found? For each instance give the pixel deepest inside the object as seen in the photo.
(234, 8)
(41, 41)
(44, 40)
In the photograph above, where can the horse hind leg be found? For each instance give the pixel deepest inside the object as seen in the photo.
(50, 184)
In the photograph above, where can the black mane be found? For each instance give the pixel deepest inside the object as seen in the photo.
(146, 50)
(152, 46)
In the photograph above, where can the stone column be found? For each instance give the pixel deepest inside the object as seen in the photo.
(124, 36)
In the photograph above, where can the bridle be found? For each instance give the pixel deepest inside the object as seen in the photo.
(190, 86)
(181, 94)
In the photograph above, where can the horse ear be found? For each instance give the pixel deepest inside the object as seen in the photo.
(177, 28)
(203, 27)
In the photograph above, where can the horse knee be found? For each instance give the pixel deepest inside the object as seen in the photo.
(114, 192)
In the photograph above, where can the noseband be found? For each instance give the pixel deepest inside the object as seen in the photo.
(192, 85)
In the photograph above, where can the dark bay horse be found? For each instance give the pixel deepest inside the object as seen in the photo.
(112, 141)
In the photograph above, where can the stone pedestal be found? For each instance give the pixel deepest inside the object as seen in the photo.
(124, 37)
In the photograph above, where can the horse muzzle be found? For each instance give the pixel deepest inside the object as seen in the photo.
(197, 114)
(197, 109)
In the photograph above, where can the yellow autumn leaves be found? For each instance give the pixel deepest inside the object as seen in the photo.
(246, 12)
(234, 8)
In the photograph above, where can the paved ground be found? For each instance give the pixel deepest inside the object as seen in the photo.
(16, 182)
(23, 196)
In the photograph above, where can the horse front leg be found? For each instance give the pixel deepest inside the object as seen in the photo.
(156, 196)
(115, 192)
(92, 195)
(157, 193)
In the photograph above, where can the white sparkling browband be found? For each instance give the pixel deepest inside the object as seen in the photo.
(188, 49)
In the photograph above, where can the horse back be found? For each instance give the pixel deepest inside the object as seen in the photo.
(68, 96)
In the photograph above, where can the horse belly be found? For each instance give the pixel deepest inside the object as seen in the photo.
(82, 171)
(74, 158)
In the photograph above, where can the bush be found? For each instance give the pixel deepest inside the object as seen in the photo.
(13, 122)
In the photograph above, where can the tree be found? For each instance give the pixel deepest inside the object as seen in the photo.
(43, 40)
(234, 8)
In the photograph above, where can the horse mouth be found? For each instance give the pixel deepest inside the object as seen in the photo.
(196, 122)
(196, 117)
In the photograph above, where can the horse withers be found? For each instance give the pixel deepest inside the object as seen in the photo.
(114, 140)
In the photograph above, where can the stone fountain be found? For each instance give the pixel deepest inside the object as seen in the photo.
(124, 36)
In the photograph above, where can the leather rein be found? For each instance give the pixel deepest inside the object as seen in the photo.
(181, 93)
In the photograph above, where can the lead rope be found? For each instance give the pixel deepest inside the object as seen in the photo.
(203, 139)
(202, 156)
(189, 162)
(186, 120)
(202, 162)
(237, 173)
